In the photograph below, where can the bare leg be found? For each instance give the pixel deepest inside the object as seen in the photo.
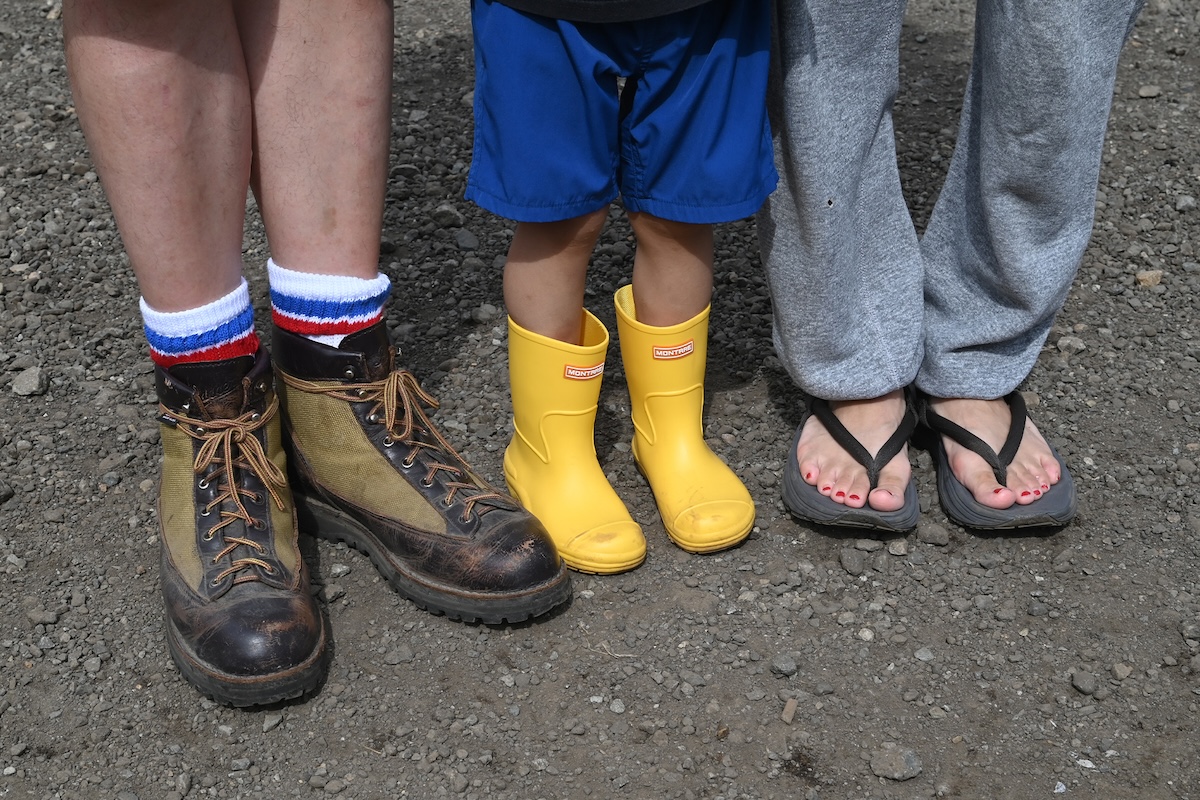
(161, 92)
(320, 72)
(672, 270)
(1033, 471)
(546, 273)
(827, 466)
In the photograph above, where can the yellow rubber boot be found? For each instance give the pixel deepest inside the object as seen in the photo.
(551, 465)
(704, 506)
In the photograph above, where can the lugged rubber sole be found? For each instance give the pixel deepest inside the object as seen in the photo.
(490, 608)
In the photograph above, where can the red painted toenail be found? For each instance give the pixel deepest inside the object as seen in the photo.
(1044, 487)
(840, 494)
(808, 476)
(997, 491)
(827, 489)
(1037, 492)
(854, 497)
(1024, 494)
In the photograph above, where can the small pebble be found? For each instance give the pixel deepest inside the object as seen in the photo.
(932, 533)
(784, 665)
(895, 763)
(1084, 681)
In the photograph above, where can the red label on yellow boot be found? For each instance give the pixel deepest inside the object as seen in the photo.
(676, 351)
(583, 373)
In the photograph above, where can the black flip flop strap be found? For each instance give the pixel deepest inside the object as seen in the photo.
(997, 461)
(873, 464)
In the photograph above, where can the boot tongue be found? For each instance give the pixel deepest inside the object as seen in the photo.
(217, 385)
(376, 349)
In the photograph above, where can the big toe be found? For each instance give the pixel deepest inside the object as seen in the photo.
(888, 495)
(987, 491)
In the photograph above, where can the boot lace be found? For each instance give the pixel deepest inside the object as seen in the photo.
(229, 445)
(402, 402)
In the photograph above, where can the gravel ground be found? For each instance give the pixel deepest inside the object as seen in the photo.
(802, 664)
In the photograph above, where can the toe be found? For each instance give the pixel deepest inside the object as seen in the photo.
(894, 479)
(981, 482)
(857, 491)
(810, 470)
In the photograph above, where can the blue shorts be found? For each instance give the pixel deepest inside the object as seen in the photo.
(687, 139)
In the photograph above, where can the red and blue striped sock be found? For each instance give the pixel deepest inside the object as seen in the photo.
(216, 331)
(325, 308)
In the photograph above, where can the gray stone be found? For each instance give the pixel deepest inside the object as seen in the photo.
(784, 665)
(895, 763)
(401, 655)
(868, 545)
(853, 561)
(448, 217)
(31, 381)
(466, 240)
(932, 533)
(1084, 681)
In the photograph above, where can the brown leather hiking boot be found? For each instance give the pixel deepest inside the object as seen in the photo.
(241, 623)
(369, 468)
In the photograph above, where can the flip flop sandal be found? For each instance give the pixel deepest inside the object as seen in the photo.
(806, 503)
(1055, 508)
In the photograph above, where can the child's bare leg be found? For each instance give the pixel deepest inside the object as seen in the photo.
(546, 272)
(672, 269)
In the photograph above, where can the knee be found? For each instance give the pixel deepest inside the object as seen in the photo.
(575, 234)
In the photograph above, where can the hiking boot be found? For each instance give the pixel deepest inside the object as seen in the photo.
(242, 625)
(369, 468)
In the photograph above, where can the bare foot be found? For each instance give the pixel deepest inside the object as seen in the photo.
(1033, 471)
(826, 465)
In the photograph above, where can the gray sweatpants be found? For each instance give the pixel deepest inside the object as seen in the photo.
(862, 306)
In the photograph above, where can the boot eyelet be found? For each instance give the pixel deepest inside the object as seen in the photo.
(373, 419)
(362, 392)
(205, 513)
(269, 570)
(388, 441)
(408, 462)
(208, 537)
(428, 484)
(262, 387)
(258, 525)
(187, 406)
(201, 431)
(256, 498)
(349, 373)
(215, 582)
(447, 502)
(202, 483)
(255, 417)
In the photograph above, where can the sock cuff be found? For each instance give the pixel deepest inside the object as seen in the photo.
(316, 305)
(214, 331)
